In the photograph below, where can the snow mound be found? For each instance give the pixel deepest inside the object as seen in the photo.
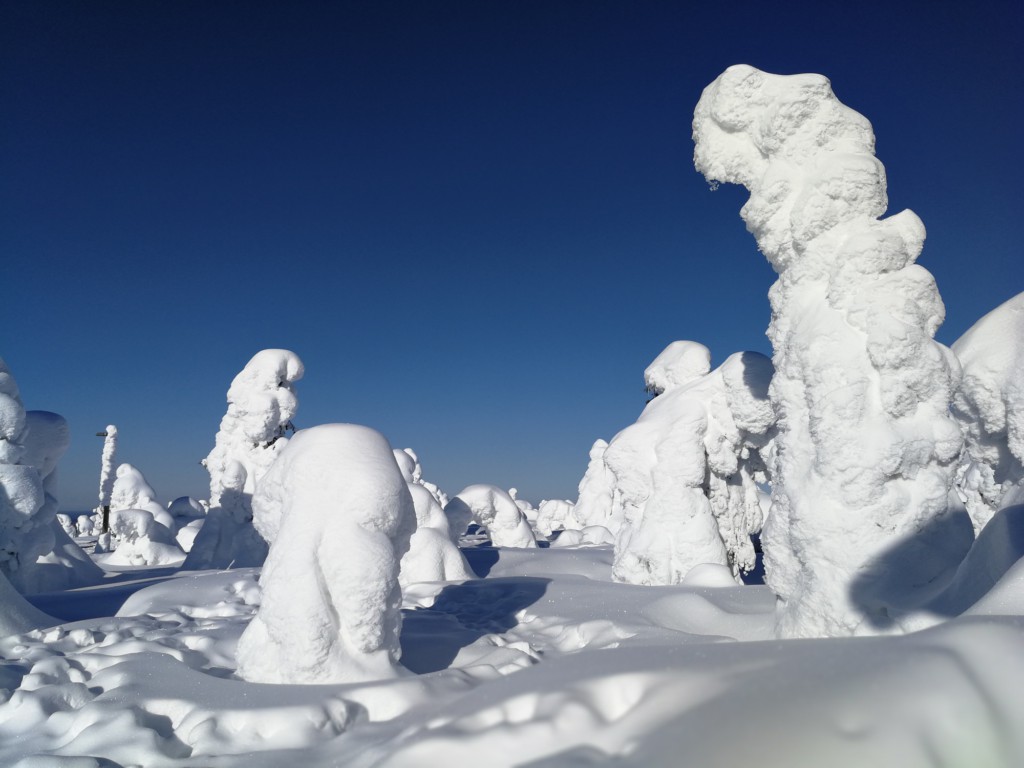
(338, 516)
(141, 540)
(989, 404)
(867, 447)
(495, 510)
(432, 555)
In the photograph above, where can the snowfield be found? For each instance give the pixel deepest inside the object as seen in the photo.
(542, 661)
(328, 606)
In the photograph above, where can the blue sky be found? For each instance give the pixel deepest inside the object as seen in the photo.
(475, 222)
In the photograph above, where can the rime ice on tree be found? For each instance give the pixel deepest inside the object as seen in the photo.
(495, 510)
(989, 405)
(261, 405)
(681, 479)
(867, 447)
(338, 515)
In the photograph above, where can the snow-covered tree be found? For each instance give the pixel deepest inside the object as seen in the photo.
(594, 505)
(989, 404)
(261, 405)
(338, 515)
(495, 510)
(867, 447)
(107, 468)
(682, 478)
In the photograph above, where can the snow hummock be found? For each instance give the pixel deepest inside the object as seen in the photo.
(338, 516)
(989, 405)
(866, 447)
(495, 510)
(261, 405)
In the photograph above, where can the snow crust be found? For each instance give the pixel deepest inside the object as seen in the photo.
(495, 510)
(989, 404)
(261, 405)
(682, 478)
(866, 447)
(338, 515)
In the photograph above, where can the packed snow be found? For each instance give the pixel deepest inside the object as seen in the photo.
(336, 608)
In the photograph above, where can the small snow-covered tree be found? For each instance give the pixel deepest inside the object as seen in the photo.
(989, 404)
(595, 504)
(338, 515)
(495, 510)
(682, 478)
(866, 447)
(261, 405)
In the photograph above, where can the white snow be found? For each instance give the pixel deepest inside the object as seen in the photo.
(107, 465)
(678, 486)
(866, 447)
(261, 405)
(989, 404)
(338, 516)
(495, 510)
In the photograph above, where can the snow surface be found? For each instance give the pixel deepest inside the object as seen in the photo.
(867, 447)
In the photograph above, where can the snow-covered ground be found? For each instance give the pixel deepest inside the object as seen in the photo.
(542, 661)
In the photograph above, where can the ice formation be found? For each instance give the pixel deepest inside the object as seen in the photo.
(989, 405)
(495, 510)
(682, 478)
(338, 515)
(867, 447)
(261, 405)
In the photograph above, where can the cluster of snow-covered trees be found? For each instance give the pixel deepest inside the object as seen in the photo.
(870, 437)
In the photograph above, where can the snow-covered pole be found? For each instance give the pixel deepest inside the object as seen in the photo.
(107, 474)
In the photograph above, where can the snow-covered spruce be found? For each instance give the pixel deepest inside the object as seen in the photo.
(433, 550)
(989, 405)
(338, 515)
(556, 515)
(189, 515)
(867, 447)
(131, 491)
(50, 559)
(261, 405)
(495, 510)
(683, 476)
(595, 504)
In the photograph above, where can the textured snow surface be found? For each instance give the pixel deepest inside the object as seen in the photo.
(545, 660)
(867, 447)
(338, 515)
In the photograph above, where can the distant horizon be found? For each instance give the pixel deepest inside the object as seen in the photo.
(476, 225)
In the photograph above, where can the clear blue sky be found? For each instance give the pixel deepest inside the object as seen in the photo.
(475, 222)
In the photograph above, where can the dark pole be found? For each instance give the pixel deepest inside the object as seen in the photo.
(106, 507)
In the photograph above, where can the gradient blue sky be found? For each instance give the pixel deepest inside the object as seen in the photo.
(475, 222)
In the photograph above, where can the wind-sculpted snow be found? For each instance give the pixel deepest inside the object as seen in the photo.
(338, 516)
(496, 511)
(682, 478)
(866, 447)
(261, 405)
(989, 405)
